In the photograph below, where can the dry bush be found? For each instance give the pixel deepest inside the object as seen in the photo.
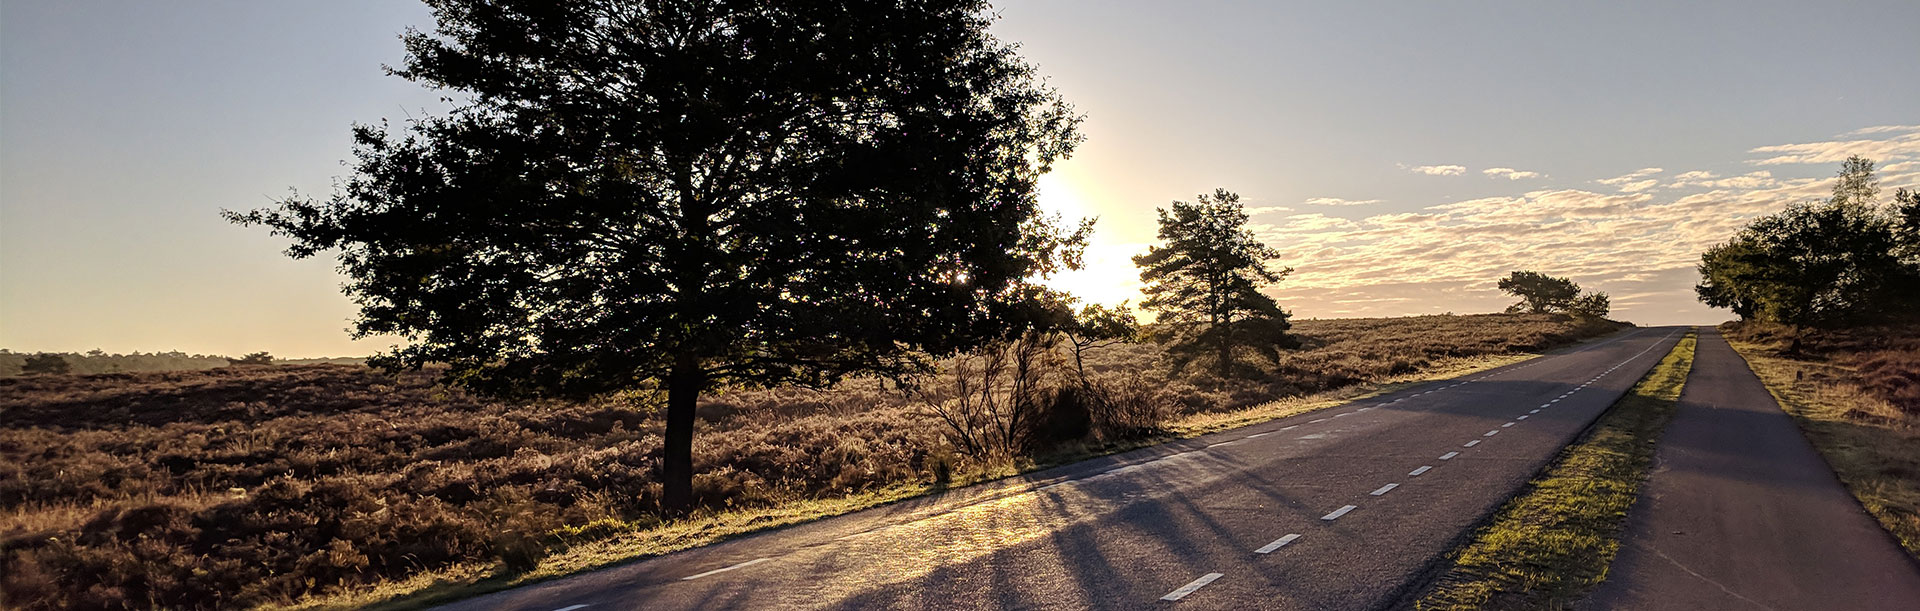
(235, 487)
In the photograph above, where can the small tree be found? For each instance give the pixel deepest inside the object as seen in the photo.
(1855, 186)
(1906, 227)
(1592, 305)
(250, 360)
(1539, 293)
(1204, 282)
(46, 363)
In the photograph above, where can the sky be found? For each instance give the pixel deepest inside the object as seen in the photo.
(1402, 156)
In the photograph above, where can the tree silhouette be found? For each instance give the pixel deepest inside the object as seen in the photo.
(1593, 305)
(1539, 293)
(1855, 185)
(46, 363)
(686, 196)
(1205, 282)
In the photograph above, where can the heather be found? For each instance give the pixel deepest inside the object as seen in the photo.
(248, 486)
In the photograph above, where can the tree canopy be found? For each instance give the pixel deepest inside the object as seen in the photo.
(1818, 263)
(1539, 293)
(685, 196)
(1204, 282)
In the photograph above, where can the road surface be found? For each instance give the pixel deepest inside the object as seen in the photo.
(1740, 512)
(1343, 508)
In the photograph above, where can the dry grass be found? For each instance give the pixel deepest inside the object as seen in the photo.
(329, 486)
(1856, 394)
(1552, 543)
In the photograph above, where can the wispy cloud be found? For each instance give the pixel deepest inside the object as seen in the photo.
(1259, 210)
(1882, 129)
(1835, 151)
(1440, 170)
(1631, 177)
(1509, 173)
(1335, 201)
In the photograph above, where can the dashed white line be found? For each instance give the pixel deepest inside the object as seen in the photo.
(1191, 586)
(1450, 455)
(1338, 512)
(725, 569)
(1343, 414)
(1276, 544)
(1318, 421)
(1523, 417)
(1491, 433)
(1290, 427)
(571, 607)
(1422, 469)
(1471, 444)
(1533, 411)
(1505, 425)
(1225, 443)
(1258, 435)
(1384, 489)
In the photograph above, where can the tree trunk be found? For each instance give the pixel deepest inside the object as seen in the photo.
(684, 384)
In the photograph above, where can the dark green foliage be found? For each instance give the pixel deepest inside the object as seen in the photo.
(1593, 304)
(1539, 293)
(45, 364)
(691, 196)
(1906, 227)
(1205, 279)
(1820, 263)
(100, 362)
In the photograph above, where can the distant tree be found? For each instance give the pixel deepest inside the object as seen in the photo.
(257, 358)
(694, 195)
(1205, 280)
(1855, 185)
(1593, 305)
(1539, 293)
(46, 364)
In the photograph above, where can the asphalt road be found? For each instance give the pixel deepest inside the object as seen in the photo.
(1740, 512)
(1343, 508)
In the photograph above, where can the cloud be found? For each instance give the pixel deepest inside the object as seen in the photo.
(1335, 201)
(1259, 210)
(1699, 179)
(1630, 177)
(1509, 173)
(1440, 170)
(1882, 129)
(1905, 146)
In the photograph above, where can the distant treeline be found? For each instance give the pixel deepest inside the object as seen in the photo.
(97, 361)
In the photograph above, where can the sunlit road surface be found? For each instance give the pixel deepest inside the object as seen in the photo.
(1343, 508)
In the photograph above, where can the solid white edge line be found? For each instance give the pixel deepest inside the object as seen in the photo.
(723, 570)
(1339, 512)
(1276, 544)
(1384, 489)
(1422, 469)
(1191, 586)
(1449, 455)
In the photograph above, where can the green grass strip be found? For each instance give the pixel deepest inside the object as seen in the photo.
(1549, 546)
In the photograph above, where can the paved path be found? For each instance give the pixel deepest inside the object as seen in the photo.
(1343, 508)
(1741, 513)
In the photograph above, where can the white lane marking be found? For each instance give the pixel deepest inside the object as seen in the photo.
(1384, 489)
(1533, 411)
(1471, 443)
(1225, 443)
(1318, 421)
(1422, 469)
(1191, 586)
(1276, 544)
(1523, 417)
(1449, 455)
(1338, 512)
(1343, 414)
(1553, 401)
(1290, 427)
(1491, 433)
(1506, 425)
(723, 570)
(1258, 435)
(571, 607)
(1545, 405)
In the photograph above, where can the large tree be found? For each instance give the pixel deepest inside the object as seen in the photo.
(1204, 282)
(680, 196)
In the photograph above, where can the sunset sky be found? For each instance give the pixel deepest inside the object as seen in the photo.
(1401, 155)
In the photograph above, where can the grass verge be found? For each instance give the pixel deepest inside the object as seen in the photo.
(1870, 444)
(1553, 542)
(637, 541)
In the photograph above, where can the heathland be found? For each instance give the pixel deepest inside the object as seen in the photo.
(272, 485)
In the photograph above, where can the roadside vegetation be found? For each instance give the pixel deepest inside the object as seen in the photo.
(323, 484)
(1856, 394)
(1549, 546)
